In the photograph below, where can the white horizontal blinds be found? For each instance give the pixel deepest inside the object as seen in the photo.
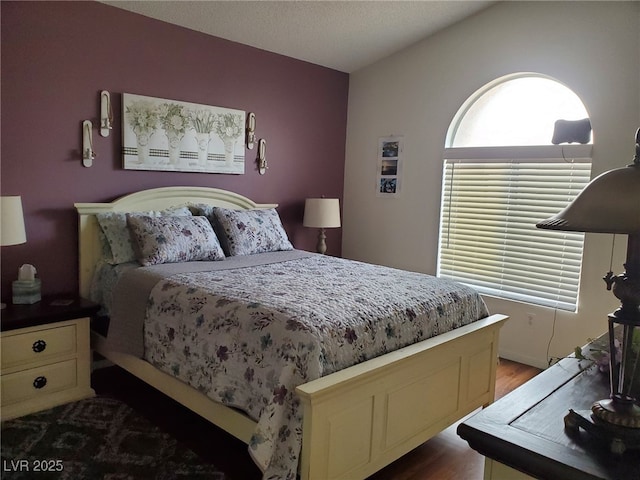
(488, 235)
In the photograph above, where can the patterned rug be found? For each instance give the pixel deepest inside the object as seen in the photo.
(97, 438)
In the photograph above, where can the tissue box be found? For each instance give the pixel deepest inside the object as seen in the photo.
(26, 291)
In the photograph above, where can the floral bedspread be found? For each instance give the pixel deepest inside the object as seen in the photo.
(247, 337)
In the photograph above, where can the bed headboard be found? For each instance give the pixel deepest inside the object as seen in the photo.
(144, 200)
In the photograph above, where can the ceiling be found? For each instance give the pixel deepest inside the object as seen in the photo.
(342, 35)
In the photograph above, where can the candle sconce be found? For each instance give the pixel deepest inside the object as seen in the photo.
(88, 155)
(251, 130)
(262, 156)
(106, 113)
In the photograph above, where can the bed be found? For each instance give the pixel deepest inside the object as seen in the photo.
(351, 419)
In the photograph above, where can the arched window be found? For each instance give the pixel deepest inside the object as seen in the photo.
(502, 174)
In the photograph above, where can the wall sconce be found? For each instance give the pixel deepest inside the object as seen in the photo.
(262, 156)
(87, 144)
(106, 113)
(251, 130)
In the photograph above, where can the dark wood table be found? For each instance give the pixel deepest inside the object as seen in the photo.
(525, 429)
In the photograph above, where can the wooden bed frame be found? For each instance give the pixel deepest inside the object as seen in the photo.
(356, 421)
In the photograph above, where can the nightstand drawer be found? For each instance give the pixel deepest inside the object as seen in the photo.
(37, 382)
(38, 345)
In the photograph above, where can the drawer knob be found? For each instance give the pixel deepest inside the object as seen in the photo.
(39, 346)
(40, 382)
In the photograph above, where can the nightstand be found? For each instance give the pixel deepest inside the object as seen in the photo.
(45, 355)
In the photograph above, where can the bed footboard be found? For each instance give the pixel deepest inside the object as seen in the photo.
(360, 419)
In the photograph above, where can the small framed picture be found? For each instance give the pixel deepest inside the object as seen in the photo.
(389, 166)
(388, 185)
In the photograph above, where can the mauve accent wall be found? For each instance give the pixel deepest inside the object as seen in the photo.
(58, 56)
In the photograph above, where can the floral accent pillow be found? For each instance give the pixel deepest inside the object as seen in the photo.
(251, 231)
(115, 238)
(173, 239)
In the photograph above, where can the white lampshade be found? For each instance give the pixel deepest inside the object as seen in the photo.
(321, 213)
(12, 230)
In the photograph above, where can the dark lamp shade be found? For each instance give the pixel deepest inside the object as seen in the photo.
(610, 203)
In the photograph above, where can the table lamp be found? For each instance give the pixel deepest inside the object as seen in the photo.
(610, 203)
(12, 231)
(321, 213)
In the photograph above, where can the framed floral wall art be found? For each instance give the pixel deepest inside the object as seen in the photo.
(169, 135)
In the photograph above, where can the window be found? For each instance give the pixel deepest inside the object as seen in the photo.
(501, 176)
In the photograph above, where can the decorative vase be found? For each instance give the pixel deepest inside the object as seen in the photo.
(229, 150)
(203, 147)
(143, 147)
(174, 146)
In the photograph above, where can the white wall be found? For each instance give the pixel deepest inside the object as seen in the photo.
(592, 47)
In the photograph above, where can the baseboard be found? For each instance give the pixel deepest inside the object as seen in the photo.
(518, 357)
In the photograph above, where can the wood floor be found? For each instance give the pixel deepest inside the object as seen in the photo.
(444, 457)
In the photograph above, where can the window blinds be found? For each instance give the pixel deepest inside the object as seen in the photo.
(488, 237)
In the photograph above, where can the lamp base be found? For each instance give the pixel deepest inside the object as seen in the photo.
(321, 246)
(622, 415)
(620, 439)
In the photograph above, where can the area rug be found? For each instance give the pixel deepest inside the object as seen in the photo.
(97, 438)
